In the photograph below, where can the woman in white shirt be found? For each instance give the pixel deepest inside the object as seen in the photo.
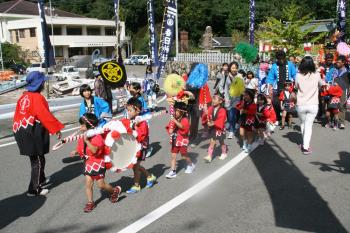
(308, 82)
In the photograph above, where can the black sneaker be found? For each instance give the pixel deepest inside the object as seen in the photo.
(46, 182)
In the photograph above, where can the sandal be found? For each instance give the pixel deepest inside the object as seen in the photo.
(115, 195)
(89, 207)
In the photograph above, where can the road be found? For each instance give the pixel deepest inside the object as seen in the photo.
(273, 189)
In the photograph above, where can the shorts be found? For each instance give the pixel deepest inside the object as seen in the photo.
(248, 128)
(179, 149)
(213, 135)
(333, 110)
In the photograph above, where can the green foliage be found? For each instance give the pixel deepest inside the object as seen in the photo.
(11, 53)
(288, 33)
(247, 51)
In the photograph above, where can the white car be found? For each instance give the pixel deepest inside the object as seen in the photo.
(132, 60)
(143, 60)
(36, 67)
(67, 72)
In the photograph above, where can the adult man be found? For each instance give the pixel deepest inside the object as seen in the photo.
(280, 72)
(32, 124)
(342, 78)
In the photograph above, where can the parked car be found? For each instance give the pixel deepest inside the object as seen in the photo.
(132, 60)
(36, 67)
(67, 72)
(18, 68)
(143, 60)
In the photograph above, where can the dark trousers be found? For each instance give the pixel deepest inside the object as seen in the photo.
(37, 175)
(194, 119)
(342, 108)
(276, 105)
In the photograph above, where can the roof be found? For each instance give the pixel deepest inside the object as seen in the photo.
(22, 7)
(222, 42)
(324, 25)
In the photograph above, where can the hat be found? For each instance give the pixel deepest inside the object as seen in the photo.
(34, 80)
(288, 82)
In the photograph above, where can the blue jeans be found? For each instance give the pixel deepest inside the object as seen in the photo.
(231, 119)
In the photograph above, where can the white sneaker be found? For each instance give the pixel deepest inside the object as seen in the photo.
(244, 147)
(261, 141)
(223, 156)
(149, 152)
(43, 192)
(230, 135)
(190, 168)
(192, 145)
(248, 148)
(171, 175)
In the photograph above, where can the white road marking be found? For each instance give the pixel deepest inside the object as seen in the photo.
(178, 200)
(74, 128)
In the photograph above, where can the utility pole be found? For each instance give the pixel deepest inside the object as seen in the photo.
(53, 42)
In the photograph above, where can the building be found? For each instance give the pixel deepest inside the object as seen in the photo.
(70, 34)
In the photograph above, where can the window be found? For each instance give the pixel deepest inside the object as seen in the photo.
(74, 31)
(110, 31)
(58, 51)
(57, 31)
(21, 33)
(17, 36)
(93, 31)
(32, 32)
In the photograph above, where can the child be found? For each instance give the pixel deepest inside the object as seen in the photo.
(215, 117)
(287, 100)
(251, 82)
(92, 104)
(271, 118)
(135, 91)
(93, 150)
(179, 132)
(262, 114)
(247, 109)
(134, 108)
(334, 92)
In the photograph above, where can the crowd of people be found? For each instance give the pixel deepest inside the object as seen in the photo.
(243, 104)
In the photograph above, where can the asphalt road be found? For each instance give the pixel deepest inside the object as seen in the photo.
(274, 189)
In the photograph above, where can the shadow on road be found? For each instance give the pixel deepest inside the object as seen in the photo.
(66, 174)
(294, 137)
(296, 203)
(156, 147)
(342, 165)
(18, 206)
(181, 163)
(78, 228)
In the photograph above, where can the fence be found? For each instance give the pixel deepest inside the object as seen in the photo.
(207, 57)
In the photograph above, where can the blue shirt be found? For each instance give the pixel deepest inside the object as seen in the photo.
(99, 106)
(272, 77)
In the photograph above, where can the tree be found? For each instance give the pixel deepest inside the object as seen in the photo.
(11, 53)
(289, 34)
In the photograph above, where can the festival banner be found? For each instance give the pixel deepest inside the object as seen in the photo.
(152, 33)
(342, 19)
(49, 57)
(251, 21)
(168, 31)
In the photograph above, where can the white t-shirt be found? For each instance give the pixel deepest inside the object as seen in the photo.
(252, 83)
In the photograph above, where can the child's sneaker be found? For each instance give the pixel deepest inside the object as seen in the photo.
(261, 141)
(223, 156)
(115, 195)
(328, 125)
(248, 149)
(244, 146)
(230, 135)
(134, 189)
(89, 207)
(149, 152)
(207, 159)
(190, 168)
(306, 151)
(150, 181)
(171, 175)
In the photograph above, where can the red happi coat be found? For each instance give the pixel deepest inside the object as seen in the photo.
(32, 124)
(180, 134)
(248, 119)
(219, 119)
(94, 161)
(262, 119)
(270, 115)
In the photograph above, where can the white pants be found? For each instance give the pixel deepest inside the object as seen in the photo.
(307, 115)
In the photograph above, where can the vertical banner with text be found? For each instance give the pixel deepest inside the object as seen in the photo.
(168, 31)
(251, 21)
(49, 57)
(342, 19)
(152, 33)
